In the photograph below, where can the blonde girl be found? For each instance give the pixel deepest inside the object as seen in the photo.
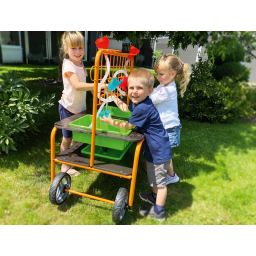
(73, 99)
(170, 68)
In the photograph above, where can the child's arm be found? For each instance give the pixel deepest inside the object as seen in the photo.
(121, 125)
(121, 105)
(81, 86)
(161, 95)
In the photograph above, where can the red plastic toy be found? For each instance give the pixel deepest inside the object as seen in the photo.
(124, 84)
(133, 52)
(102, 43)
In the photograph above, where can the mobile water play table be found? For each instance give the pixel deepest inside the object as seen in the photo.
(100, 142)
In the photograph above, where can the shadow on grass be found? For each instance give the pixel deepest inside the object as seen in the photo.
(201, 141)
(107, 186)
(71, 201)
(198, 141)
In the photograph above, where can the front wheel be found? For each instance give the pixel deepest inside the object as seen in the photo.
(57, 193)
(120, 205)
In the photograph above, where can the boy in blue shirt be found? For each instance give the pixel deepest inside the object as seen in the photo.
(158, 152)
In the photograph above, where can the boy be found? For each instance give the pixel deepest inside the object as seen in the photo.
(158, 152)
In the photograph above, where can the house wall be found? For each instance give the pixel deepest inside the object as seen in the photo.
(115, 45)
(252, 66)
(12, 54)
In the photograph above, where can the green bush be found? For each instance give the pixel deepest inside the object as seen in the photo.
(19, 111)
(157, 54)
(228, 55)
(36, 59)
(209, 100)
(236, 53)
(234, 70)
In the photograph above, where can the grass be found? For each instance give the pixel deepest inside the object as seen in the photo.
(215, 162)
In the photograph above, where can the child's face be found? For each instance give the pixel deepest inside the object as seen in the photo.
(137, 91)
(164, 75)
(76, 54)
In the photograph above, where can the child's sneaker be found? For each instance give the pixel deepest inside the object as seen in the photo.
(147, 197)
(149, 212)
(171, 179)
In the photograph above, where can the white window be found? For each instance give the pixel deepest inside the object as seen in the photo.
(10, 38)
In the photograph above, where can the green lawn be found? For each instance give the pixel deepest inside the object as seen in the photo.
(215, 162)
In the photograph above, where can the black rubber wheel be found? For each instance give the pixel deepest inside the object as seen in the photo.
(120, 205)
(57, 193)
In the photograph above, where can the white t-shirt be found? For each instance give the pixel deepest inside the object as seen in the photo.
(71, 99)
(166, 101)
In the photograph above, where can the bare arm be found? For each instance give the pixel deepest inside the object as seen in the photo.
(121, 105)
(121, 125)
(81, 86)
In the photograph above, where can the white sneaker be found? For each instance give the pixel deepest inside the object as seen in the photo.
(171, 179)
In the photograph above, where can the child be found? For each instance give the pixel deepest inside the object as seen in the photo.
(164, 97)
(158, 151)
(73, 99)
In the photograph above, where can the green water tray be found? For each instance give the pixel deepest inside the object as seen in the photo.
(85, 122)
(109, 153)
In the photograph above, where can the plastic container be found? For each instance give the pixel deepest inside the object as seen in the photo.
(104, 113)
(84, 123)
(114, 84)
(117, 112)
(107, 152)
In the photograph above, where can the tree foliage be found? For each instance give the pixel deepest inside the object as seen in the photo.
(182, 39)
(209, 100)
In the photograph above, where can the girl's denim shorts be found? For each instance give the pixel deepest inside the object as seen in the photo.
(174, 135)
(64, 113)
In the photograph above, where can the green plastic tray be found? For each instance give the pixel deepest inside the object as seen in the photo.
(117, 112)
(109, 153)
(85, 122)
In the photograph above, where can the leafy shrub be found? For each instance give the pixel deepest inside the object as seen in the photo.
(235, 54)
(252, 95)
(207, 99)
(36, 58)
(157, 54)
(234, 70)
(19, 111)
(55, 59)
(228, 55)
(139, 59)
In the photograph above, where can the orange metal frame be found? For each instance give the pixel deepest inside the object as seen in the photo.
(118, 59)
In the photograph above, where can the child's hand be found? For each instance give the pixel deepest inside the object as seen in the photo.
(106, 120)
(116, 100)
(104, 86)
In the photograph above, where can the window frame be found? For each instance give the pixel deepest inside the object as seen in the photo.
(6, 46)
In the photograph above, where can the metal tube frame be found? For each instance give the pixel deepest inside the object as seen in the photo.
(90, 167)
(131, 177)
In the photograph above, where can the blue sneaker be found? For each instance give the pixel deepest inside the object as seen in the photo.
(171, 179)
(149, 212)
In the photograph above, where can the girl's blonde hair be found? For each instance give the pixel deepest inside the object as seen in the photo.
(71, 39)
(182, 69)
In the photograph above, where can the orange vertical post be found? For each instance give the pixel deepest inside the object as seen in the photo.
(134, 172)
(54, 130)
(94, 108)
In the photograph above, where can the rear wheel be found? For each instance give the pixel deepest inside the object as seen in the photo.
(57, 193)
(120, 205)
